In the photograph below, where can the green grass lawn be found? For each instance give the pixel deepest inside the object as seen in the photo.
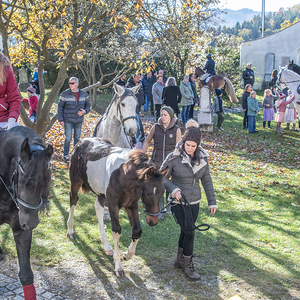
(252, 248)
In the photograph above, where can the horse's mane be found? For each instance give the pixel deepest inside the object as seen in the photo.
(34, 178)
(138, 157)
(118, 99)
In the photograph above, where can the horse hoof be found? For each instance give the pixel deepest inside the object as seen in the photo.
(109, 252)
(119, 273)
(70, 236)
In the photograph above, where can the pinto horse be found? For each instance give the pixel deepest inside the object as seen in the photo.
(120, 176)
(218, 82)
(119, 120)
(24, 188)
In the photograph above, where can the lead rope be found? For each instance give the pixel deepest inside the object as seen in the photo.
(183, 202)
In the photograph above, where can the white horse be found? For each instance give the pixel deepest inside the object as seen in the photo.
(119, 120)
(290, 79)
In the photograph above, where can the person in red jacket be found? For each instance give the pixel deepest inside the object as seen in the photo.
(281, 107)
(33, 101)
(9, 95)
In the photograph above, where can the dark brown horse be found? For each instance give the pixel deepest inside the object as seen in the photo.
(218, 82)
(24, 188)
(121, 176)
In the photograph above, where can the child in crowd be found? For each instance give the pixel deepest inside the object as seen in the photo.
(281, 107)
(268, 104)
(217, 107)
(253, 110)
(290, 114)
(33, 101)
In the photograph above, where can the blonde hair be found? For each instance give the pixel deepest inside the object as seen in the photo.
(252, 93)
(4, 62)
(192, 123)
(267, 90)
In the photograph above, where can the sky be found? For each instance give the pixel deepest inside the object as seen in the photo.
(271, 5)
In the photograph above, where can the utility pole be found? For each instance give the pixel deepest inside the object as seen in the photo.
(263, 18)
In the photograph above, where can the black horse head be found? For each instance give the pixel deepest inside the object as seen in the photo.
(31, 182)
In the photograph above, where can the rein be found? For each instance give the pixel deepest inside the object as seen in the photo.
(187, 214)
(14, 182)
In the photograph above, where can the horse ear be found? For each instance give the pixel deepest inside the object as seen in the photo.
(164, 171)
(145, 173)
(118, 89)
(25, 151)
(135, 89)
(49, 151)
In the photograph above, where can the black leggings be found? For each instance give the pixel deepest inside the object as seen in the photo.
(186, 238)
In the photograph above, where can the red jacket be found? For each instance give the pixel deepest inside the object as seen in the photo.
(9, 97)
(33, 101)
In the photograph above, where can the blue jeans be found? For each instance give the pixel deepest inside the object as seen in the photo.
(251, 124)
(69, 127)
(146, 105)
(185, 113)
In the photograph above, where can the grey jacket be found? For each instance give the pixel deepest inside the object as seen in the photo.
(68, 107)
(268, 100)
(216, 105)
(186, 178)
(157, 91)
(187, 93)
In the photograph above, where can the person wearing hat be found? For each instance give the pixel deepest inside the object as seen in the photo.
(290, 114)
(210, 65)
(32, 101)
(188, 164)
(281, 105)
(248, 75)
(217, 107)
(165, 135)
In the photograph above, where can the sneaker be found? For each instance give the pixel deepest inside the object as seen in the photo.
(66, 158)
(222, 128)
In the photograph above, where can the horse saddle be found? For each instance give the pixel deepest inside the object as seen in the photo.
(205, 78)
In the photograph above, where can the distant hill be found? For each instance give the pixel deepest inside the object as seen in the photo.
(240, 15)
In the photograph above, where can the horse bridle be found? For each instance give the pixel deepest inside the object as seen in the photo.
(121, 116)
(14, 180)
(283, 82)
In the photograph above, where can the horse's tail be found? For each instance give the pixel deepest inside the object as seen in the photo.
(229, 89)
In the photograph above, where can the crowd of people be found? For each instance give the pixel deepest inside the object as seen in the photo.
(283, 104)
(157, 90)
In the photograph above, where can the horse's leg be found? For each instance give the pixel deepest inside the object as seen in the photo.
(116, 233)
(133, 216)
(23, 244)
(99, 208)
(76, 183)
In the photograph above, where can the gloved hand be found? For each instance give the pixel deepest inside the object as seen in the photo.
(10, 124)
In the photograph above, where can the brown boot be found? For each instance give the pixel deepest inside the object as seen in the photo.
(189, 269)
(294, 126)
(287, 126)
(179, 259)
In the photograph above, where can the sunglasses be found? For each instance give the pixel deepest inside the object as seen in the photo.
(72, 82)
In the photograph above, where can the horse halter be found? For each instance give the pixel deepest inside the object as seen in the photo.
(278, 82)
(14, 182)
(121, 116)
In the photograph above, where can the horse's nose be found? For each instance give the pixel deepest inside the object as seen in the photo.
(132, 132)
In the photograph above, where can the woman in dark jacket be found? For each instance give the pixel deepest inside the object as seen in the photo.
(165, 135)
(188, 164)
(196, 98)
(246, 94)
(272, 83)
(171, 95)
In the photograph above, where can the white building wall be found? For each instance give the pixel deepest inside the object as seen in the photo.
(285, 44)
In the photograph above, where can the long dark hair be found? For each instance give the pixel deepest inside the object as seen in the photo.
(197, 155)
(246, 88)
